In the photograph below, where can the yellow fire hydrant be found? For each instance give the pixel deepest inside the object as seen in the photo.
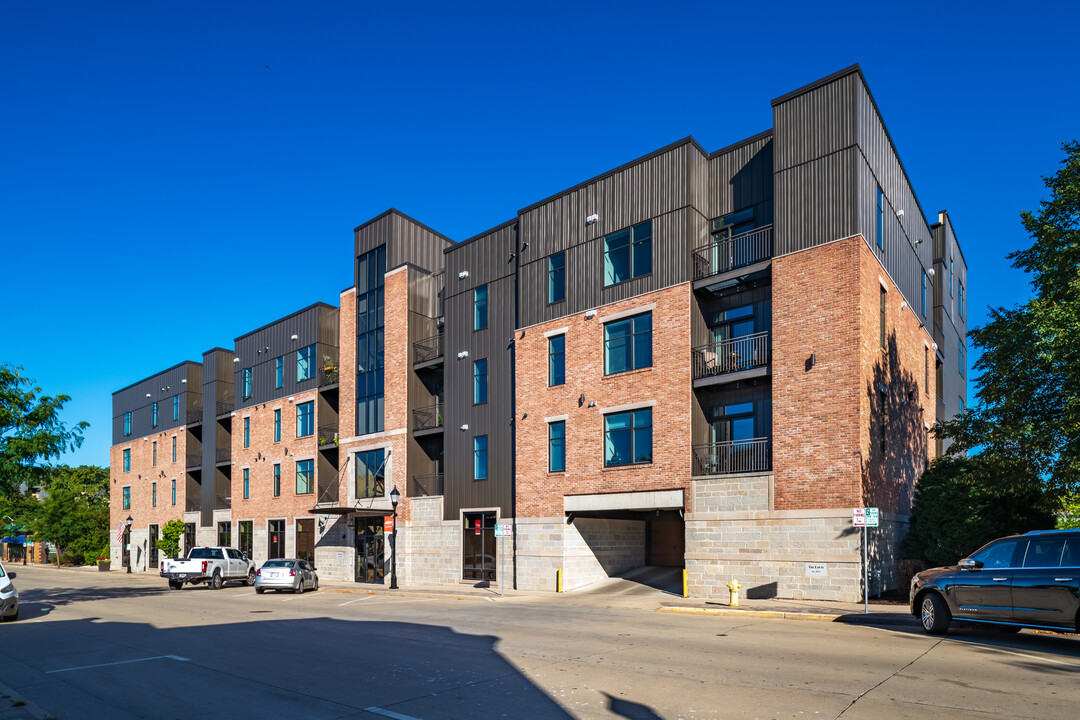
(733, 588)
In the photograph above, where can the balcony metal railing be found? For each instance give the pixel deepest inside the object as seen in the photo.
(192, 504)
(194, 415)
(733, 456)
(427, 349)
(224, 455)
(427, 418)
(424, 485)
(725, 356)
(739, 251)
(194, 459)
(225, 406)
(328, 435)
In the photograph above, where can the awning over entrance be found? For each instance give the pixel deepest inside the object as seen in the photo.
(14, 539)
(348, 510)
(646, 500)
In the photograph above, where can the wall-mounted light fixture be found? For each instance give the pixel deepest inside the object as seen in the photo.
(295, 337)
(235, 360)
(592, 219)
(147, 394)
(581, 400)
(903, 304)
(590, 314)
(900, 212)
(463, 354)
(463, 274)
(810, 362)
(183, 381)
(934, 346)
(464, 428)
(592, 404)
(930, 272)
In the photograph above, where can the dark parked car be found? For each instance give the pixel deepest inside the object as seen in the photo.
(1022, 581)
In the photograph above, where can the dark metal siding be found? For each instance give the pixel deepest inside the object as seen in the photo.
(161, 388)
(217, 388)
(741, 178)
(815, 203)
(317, 324)
(953, 327)
(486, 259)
(406, 240)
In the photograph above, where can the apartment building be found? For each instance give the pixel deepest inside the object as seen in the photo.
(698, 359)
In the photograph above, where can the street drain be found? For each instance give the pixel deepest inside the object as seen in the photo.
(259, 611)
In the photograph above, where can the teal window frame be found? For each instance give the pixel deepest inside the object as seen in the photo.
(174, 449)
(277, 480)
(127, 460)
(480, 457)
(247, 484)
(480, 307)
(480, 382)
(556, 278)
(277, 425)
(247, 432)
(279, 372)
(631, 430)
(175, 407)
(557, 446)
(628, 254)
(153, 450)
(556, 360)
(880, 226)
(305, 419)
(245, 383)
(173, 492)
(628, 344)
(127, 497)
(369, 473)
(153, 494)
(127, 423)
(153, 414)
(305, 477)
(305, 363)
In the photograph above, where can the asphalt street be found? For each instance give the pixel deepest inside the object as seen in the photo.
(113, 646)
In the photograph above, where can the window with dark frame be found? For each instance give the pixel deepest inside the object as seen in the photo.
(153, 414)
(127, 460)
(224, 533)
(370, 474)
(370, 354)
(279, 372)
(277, 425)
(556, 277)
(480, 307)
(480, 378)
(127, 423)
(247, 484)
(305, 419)
(305, 477)
(244, 531)
(175, 407)
(880, 219)
(882, 310)
(153, 494)
(628, 344)
(556, 360)
(245, 383)
(480, 457)
(174, 449)
(557, 446)
(127, 498)
(247, 432)
(277, 481)
(628, 438)
(173, 492)
(154, 451)
(305, 363)
(628, 254)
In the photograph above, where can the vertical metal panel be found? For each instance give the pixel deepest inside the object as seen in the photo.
(161, 388)
(406, 240)
(741, 178)
(816, 123)
(815, 203)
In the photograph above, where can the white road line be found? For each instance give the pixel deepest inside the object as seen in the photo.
(366, 597)
(389, 714)
(121, 662)
(1025, 655)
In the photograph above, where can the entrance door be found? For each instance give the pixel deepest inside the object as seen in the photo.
(478, 547)
(370, 555)
(305, 540)
(153, 546)
(275, 539)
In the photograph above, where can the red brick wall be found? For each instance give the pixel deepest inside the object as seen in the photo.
(826, 420)
(667, 382)
(141, 477)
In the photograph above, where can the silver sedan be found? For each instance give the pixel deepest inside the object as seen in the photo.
(286, 574)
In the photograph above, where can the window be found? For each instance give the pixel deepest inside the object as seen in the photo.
(960, 359)
(939, 379)
(245, 383)
(923, 303)
(960, 404)
(173, 492)
(277, 425)
(882, 311)
(1045, 552)
(950, 277)
(154, 449)
(557, 360)
(628, 438)
(247, 432)
(557, 277)
(628, 254)
(153, 415)
(557, 446)
(628, 344)
(174, 449)
(999, 555)
(480, 387)
(305, 419)
(127, 498)
(277, 480)
(926, 369)
(370, 271)
(370, 475)
(153, 494)
(880, 219)
(305, 363)
(189, 536)
(279, 372)
(243, 529)
(480, 308)
(305, 477)
(175, 407)
(127, 460)
(247, 483)
(224, 534)
(960, 309)
(480, 457)
(127, 423)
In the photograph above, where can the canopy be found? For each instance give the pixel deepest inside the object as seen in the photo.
(15, 539)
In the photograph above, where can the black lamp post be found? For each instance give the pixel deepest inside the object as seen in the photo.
(127, 542)
(394, 497)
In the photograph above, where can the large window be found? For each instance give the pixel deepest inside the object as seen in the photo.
(557, 360)
(127, 460)
(305, 363)
(557, 446)
(628, 438)
(305, 477)
(224, 533)
(370, 269)
(127, 498)
(370, 474)
(245, 383)
(880, 235)
(628, 254)
(305, 419)
(480, 308)
(279, 372)
(480, 378)
(243, 529)
(480, 457)
(247, 432)
(556, 277)
(127, 423)
(277, 481)
(175, 407)
(628, 344)
(277, 425)
(153, 415)
(247, 483)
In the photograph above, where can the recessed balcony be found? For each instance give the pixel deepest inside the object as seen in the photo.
(428, 352)
(733, 456)
(732, 360)
(729, 258)
(426, 485)
(428, 420)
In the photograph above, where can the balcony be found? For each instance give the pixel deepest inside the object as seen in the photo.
(429, 351)
(426, 485)
(427, 420)
(194, 460)
(225, 406)
(194, 416)
(741, 252)
(329, 372)
(733, 456)
(328, 437)
(192, 504)
(224, 455)
(736, 359)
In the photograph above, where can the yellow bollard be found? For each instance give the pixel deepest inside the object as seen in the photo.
(684, 593)
(558, 580)
(733, 588)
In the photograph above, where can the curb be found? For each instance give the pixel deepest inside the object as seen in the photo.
(848, 619)
(19, 706)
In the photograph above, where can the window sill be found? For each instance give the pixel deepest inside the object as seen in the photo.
(624, 373)
(623, 282)
(617, 468)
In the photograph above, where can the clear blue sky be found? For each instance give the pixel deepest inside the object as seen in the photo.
(175, 174)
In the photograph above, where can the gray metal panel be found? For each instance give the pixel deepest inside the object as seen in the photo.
(406, 240)
(259, 350)
(740, 178)
(217, 388)
(816, 123)
(160, 388)
(486, 260)
(815, 203)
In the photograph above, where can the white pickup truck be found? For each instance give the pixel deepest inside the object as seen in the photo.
(212, 565)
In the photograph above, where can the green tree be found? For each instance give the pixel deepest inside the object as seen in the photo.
(1029, 382)
(962, 503)
(1069, 517)
(76, 523)
(171, 532)
(31, 432)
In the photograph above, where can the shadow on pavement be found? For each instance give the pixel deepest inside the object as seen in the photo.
(632, 710)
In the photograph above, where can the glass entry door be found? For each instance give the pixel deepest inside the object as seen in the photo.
(275, 547)
(370, 551)
(478, 548)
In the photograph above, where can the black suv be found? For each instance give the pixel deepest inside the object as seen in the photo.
(1022, 581)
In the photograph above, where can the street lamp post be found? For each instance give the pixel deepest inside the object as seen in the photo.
(394, 497)
(127, 542)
